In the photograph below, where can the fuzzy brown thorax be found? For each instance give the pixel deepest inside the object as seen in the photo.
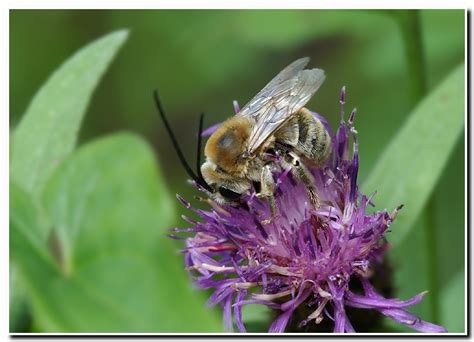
(227, 145)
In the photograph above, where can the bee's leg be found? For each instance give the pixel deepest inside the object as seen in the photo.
(300, 171)
(267, 191)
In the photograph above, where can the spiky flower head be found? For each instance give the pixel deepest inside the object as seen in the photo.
(306, 257)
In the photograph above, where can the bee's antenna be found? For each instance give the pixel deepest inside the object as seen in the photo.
(199, 145)
(198, 179)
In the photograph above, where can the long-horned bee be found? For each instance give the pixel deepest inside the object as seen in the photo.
(273, 130)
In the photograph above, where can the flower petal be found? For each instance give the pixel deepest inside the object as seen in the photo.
(340, 318)
(279, 325)
(238, 311)
(208, 131)
(227, 308)
(408, 319)
(367, 302)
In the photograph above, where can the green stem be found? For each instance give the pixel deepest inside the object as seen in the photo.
(409, 22)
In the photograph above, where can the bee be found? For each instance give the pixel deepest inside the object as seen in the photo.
(273, 130)
(275, 121)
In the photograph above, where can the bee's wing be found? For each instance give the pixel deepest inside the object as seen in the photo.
(284, 96)
(252, 107)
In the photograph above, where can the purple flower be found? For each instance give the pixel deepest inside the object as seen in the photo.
(306, 256)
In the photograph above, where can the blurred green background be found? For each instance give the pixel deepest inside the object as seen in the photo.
(202, 60)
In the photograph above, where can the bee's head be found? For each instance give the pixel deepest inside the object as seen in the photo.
(226, 188)
(227, 146)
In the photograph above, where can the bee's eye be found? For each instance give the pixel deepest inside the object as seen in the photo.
(229, 194)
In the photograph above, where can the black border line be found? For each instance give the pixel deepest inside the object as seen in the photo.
(467, 334)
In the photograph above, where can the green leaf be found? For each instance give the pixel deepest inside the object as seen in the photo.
(453, 304)
(410, 166)
(257, 318)
(411, 264)
(48, 131)
(110, 266)
(19, 314)
(23, 215)
(411, 258)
